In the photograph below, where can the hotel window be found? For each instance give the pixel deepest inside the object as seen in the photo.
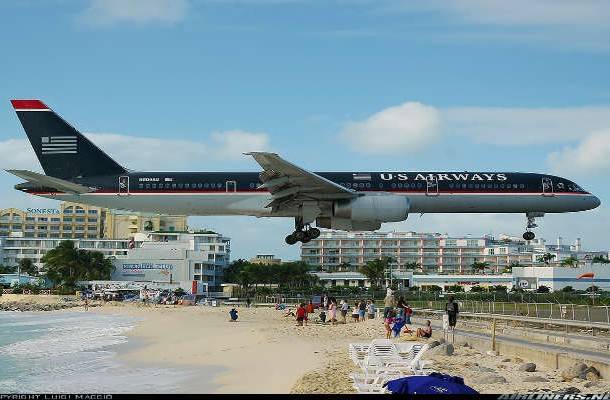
(92, 228)
(80, 210)
(16, 227)
(154, 185)
(42, 227)
(80, 228)
(80, 219)
(30, 219)
(44, 219)
(55, 219)
(67, 219)
(55, 228)
(68, 210)
(92, 211)
(93, 220)
(141, 186)
(148, 186)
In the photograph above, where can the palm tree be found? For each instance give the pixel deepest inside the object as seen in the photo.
(479, 266)
(515, 264)
(27, 266)
(571, 262)
(599, 259)
(375, 271)
(412, 266)
(546, 258)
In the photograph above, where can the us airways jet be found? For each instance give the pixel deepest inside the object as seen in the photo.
(77, 170)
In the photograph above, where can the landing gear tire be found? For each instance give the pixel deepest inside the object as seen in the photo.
(529, 235)
(290, 239)
(299, 235)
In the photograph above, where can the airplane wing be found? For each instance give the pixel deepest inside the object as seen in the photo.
(290, 183)
(50, 182)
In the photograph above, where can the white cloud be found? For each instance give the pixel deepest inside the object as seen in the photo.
(524, 126)
(223, 148)
(589, 157)
(108, 12)
(404, 128)
(553, 23)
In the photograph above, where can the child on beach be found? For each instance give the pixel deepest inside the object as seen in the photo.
(355, 312)
(388, 321)
(233, 315)
(344, 309)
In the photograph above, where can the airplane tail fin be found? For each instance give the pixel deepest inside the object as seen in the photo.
(62, 150)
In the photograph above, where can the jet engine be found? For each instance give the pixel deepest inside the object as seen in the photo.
(366, 213)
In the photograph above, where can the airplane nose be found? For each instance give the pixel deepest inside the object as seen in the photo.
(595, 202)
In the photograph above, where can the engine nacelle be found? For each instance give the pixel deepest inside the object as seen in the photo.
(372, 208)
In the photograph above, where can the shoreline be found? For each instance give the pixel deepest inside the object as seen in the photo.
(265, 352)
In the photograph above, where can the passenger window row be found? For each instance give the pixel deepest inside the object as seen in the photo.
(180, 186)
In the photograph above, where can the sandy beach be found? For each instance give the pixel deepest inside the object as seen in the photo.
(265, 352)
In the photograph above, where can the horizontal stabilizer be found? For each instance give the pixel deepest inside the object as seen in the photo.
(50, 182)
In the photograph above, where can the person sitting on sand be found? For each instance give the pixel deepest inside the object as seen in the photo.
(233, 315)
(424, 332)
(323, 316)
(289, 313)
(387, 322)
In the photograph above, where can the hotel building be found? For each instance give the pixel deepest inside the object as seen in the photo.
(433, 252)
(80, 221)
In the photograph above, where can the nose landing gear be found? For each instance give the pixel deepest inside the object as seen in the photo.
(531, 224)
(302, 233)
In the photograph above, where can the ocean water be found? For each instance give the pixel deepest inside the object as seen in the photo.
(43, 352)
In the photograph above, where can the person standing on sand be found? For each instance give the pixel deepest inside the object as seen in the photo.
(388, 303)
(452, 311)
(371, 309)
(344, 309)
(362, 310)
(332, 310)
(309, 308)
(86, 303)
(301, 314)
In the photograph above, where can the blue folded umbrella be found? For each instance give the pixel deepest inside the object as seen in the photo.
(434, 383)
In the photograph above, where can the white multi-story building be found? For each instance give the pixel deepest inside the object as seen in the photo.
(433, 252)
(167, 257)
(17, 247)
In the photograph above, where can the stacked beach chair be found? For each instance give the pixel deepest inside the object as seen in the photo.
(383, 360)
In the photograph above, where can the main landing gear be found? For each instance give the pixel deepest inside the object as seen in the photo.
(531, 224)
(302, 233)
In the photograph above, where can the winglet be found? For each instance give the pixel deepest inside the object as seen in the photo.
(28, 105)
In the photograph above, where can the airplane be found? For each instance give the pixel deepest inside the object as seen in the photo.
(76, 170)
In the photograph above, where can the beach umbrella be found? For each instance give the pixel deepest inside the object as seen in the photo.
(434, 383)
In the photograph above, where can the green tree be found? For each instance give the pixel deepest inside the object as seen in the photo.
(592, 288)
(412, 266)
(569, 262)
(546, 258)
(432, 288)
(567, 289)
(26, 266)
(599, 259)
(479, 266)
(543, 289)
(499, 288)
(455, 288)
(477, 289)
(65, 264)
(375, 271)
(515, 264)
(5, 269)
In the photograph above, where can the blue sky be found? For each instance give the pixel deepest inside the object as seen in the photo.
(330, 85)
